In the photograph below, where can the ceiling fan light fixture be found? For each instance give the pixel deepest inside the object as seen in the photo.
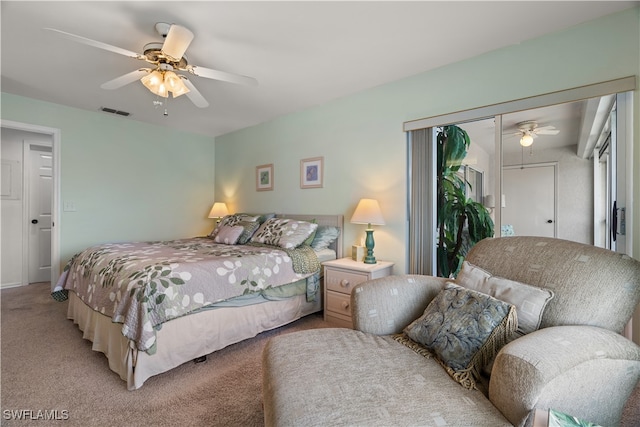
(154, 81)
(174, 84)
(165, 56)
(161, 82)
(526, 140)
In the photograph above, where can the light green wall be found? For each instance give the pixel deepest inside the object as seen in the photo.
(361, 136)
(128, 180)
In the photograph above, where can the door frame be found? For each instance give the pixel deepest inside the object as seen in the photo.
(55, 208)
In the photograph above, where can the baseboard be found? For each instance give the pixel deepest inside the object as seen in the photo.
(10, 285)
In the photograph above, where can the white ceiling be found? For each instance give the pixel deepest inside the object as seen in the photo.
(302, 53)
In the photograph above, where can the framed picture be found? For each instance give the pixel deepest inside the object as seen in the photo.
(311, 172)
(264, 177)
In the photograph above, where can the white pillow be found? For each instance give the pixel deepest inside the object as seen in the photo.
(530, 301)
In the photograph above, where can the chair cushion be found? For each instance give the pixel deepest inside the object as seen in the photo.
(530, 301)
(591, 286)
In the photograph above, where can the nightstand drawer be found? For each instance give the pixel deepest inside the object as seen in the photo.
(343, 281)
(339, 303)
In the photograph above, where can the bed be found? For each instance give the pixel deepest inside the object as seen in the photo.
(152, 306)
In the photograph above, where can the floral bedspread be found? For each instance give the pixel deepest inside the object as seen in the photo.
(143, 284)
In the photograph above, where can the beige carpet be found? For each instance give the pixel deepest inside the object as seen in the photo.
(46, 365)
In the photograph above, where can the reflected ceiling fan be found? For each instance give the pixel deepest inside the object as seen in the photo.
(529, 130)
(165, 60)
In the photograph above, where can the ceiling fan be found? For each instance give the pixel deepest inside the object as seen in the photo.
(165, 59)
(529, 130)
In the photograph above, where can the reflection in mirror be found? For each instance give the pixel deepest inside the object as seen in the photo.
(586, 137)
(557, 171)
(551, 181)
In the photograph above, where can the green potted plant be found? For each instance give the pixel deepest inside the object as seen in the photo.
(462, 222)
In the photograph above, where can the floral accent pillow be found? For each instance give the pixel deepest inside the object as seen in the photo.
(283, 232)
(228, 235)
(465, 329)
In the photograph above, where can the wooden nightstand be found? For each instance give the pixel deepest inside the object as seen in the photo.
(340, 277)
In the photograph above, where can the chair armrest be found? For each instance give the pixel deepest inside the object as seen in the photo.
(584, 371)
(386, 305)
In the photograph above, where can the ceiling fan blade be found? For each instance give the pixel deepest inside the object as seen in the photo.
(221, 75)
(177, 41)
(97, 44)
(194, 95)
(547, 131)
(131, 77)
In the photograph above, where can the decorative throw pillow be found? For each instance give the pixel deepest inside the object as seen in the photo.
(260, 217)
(249, 228)
(231, 220)
(283, 232)
(309, 239)
(530, 301)
(465, 329)
(325, 235)
(228, 235)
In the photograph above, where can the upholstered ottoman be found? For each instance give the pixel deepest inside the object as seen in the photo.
(333, 377)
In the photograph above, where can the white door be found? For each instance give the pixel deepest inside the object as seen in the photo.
(39, 194)
(530, 199)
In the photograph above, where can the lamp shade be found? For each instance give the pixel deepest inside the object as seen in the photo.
(154, 81)
(174, 84)
(367, 212)
(219, 210)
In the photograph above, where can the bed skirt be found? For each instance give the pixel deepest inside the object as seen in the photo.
(183, 339)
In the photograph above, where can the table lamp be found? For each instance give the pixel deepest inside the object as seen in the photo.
(219, 210)
(368, 212)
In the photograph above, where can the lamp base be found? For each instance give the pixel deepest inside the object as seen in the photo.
(369, 243)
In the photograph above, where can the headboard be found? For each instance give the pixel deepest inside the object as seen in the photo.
(329, 220)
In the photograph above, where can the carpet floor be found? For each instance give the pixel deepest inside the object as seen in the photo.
(48, 366)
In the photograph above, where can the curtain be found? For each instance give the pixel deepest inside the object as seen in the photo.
(422, 208)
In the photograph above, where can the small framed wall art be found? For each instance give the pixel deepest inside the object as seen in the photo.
(311, 172)
(264, 177)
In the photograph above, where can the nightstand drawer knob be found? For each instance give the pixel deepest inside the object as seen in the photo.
(345, 305)
(344, 283)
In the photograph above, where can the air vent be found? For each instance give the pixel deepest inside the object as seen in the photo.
(112, 111)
